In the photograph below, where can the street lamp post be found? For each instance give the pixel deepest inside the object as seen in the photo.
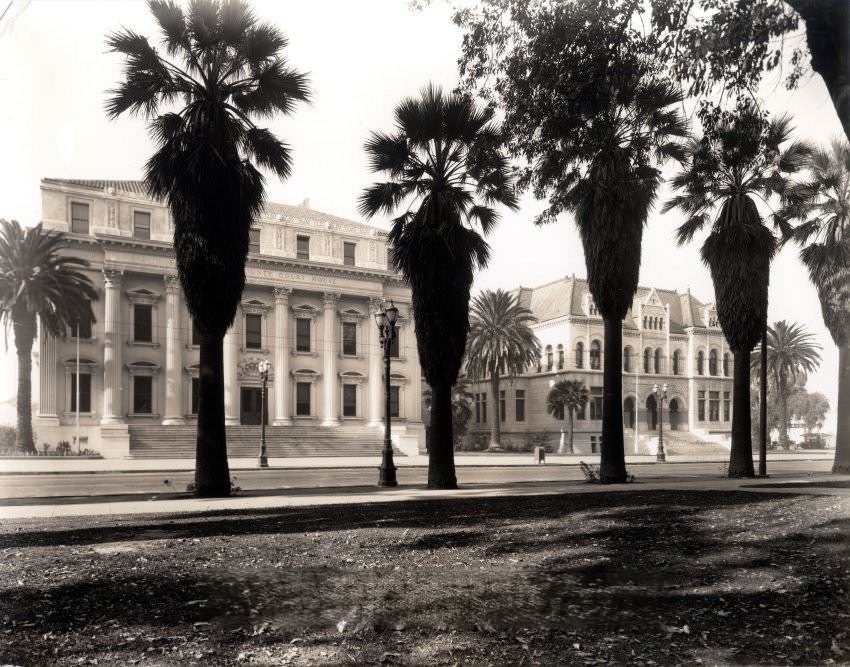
(385, 318)
(660, 397)
(262, 459)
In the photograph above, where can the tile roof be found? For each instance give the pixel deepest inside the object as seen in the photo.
(134, 187)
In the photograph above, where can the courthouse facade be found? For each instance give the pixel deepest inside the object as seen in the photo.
(313, 284)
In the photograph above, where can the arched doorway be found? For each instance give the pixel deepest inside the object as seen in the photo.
(629, 412)
(674, 415)
(651, 414)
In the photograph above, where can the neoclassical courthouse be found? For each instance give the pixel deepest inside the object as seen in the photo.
(668, 337)
(314, 283)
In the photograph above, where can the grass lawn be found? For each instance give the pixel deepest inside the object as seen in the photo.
(639, 577)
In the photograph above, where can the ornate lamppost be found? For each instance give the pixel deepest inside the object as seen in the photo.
(660, 397)
(387, 334)
(263, 367)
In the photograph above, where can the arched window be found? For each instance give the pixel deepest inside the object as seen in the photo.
(595, 355)
(658, 360)
(560, 357)
(661, 323)
(700, 363)
(712, 362)
(726, 364)
(644, 321)
(647, 357)
(676, 362)
(579, 355)
(550, 359)
(627, 359)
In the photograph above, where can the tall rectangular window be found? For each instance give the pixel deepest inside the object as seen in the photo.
(348, 253)
(142, 323)
(727, 404)
(349, 400)
(714, 406)
(595, 444)
(394, 346)
(701, 406)
(142, 394)
(520, 405)
(196, 334)
(79, 218)
(85, 392)
(596, 402)
(302, 399)
(254, 241)
(302, 244)
(502, 409)
(196, 395)
(484, 407)
(477, 401)
(141, 225)
(253, 331)
(302, 334)
(83, 330)
(349, 338)
(390, 259)
(395, 393)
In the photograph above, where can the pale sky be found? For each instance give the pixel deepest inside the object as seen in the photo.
(363, 57)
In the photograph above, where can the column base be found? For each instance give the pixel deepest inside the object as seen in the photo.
(106, 421)
(285, 421)
(173, 421)
(331, 421)
(115, 441)
(232, 421)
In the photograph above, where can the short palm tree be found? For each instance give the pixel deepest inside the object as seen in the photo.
(791, 353)
(461, 407)
(500, 342)
(567, 398)
(825, 237)
(219, 69)
(445, 172)
(742, 157)
(37, 282)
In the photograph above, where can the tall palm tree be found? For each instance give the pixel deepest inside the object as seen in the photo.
(742, 157)
(445, 173)
(825, 237)
(791, 353)
(500, 342)
(567, 398)
(38, 283)
(219, 69)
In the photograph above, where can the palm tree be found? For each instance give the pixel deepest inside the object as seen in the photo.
(825, 237)
(741, 157)
(500, 342)
(445, 172)
(566, 398)
(220, 68)
(461, 408)
(791, 353)
(37, 282)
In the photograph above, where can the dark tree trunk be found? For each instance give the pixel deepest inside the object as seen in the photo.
(741, 456)
(572, 449)
(612, 467)
(842, 432)
(24, 337)
(212, 475)
(495, 415)
(441, 462)
(763, 406)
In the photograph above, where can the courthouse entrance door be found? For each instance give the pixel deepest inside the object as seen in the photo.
(250, 406)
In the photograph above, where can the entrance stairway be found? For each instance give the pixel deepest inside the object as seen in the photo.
(178, 442)
(676, 443)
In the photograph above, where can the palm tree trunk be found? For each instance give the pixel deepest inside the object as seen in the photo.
(741, 456)
(495, 416)
(842, 432)
(612, 467)
(24, 336)
(782, 385)
(212, 475)
(572, 450)
(441, 462)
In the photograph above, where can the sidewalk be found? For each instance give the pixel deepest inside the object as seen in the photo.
(57, 464)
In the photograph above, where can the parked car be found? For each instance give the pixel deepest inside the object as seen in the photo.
(813, 441)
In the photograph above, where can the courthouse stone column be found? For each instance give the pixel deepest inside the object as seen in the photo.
(231, 381)
(330, 416)
(376, 366)
(173, 354)
(281, 357)
(113, 410)
(46, 374)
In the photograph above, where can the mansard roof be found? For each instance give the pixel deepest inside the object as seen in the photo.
(564, 297)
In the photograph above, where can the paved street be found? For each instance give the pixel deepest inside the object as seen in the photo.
(146, 484)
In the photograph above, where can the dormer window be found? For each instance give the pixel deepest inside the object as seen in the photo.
(254, 241)
(79, 218)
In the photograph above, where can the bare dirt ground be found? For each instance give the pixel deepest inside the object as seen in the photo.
(638, 577)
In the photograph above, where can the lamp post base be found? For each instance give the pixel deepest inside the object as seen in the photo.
(661, 457)
(386, 473)
(262, 461)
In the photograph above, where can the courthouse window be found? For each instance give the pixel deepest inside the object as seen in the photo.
(596, 402)
(196, 334)
(302, 334)
(349, 338)
(502, 409)
(302, 399)
(395, 392)
(79, 218)
(595, 355)
(142, 394)
(726, 405)
(303, 247)
(701, 406)
(82, 328)
(196, 395)
(85, 392)
(348, 253)
(141, 225)
(142, 323)
(254, 241)
(349, 400)
(520, 405)
(394, 346)
(714, 406)
(253, 331)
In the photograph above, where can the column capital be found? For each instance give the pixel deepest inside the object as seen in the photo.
(172, 284)
(112, 277)
(281, 294)
(330, 299)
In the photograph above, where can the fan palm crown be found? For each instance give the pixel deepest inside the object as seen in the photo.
(566, 398)
(38, 282)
